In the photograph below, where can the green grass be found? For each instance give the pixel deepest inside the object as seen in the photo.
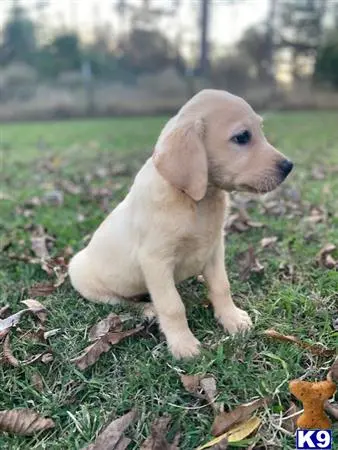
(139, 371)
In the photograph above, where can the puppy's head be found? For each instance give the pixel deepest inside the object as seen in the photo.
(217, 139)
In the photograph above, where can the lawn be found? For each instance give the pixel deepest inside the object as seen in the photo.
(294, 295)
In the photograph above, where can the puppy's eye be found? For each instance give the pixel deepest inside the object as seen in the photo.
(242, 138)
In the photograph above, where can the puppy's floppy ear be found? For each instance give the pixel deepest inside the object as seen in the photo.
(181, 159)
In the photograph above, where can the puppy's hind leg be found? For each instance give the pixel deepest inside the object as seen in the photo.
(169, 308)
(84, 281)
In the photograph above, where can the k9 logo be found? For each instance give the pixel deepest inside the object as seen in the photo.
(314, 439)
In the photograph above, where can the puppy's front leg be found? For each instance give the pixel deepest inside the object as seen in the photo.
(232, 318)
(169, 308)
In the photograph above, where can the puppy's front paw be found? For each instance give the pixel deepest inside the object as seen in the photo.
(184, 346)
(235, 320)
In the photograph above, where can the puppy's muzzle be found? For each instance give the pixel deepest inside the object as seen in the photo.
(284, 167)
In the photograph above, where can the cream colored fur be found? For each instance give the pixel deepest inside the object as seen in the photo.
(170, 225)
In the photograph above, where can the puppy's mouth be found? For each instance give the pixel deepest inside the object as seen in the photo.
(270, 181)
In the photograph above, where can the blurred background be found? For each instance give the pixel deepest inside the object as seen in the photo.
(72, 58)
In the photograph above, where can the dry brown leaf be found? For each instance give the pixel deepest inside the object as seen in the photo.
(91, 354)
(39, 241)
(37, 382)
(208, 384)
(41, 289)
(325, 258)
(191, 383)
(315, 349)
(269, 241)
(335, 323)
(24, 422)
(241, 221)
(202, 386)
(54, 198)
(111, 436)
(114, 338)
(8, 356)
(47, 357)
(249, 264)
(157, 440)
(110, 323)
(317, 215)
(9, 322)
(4, 310)
(51, 333)
(36, 308)
(287, 271)
(104, 338)
(318, 173)
(333, 373)
(226, 420)
(332, 409)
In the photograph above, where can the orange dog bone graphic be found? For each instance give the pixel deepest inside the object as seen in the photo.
(313, 396)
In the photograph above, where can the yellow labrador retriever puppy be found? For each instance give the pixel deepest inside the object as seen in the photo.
(170, 225)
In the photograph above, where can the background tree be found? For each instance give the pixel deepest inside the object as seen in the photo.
(326, 68)
(301, 25)
(19, 41)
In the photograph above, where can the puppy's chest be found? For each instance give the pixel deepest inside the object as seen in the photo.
(196, 246)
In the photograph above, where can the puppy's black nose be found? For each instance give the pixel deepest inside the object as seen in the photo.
(285, 166)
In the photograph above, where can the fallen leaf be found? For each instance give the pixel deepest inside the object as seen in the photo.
(335, 323)
(287, 271)
(8, 356)
(33, 202)
(332, 409)
(4, 310)
(244, 430)
(36, 308)
(116, 337)
(51, 333)
(191, 383)
(5, 196)
(157, 440)
(318, 173)
(315, 349)
(37, 382)
(241, 221)
(103, 337)
(269, 241)
(226, 420)
(325, 258)
(112, 322)
(61, 276)
(47, 358)
(24, 422)
(317, 215)
(249, 264)
(111, 436)
(91, 354)
(202, 386)
(41, 289)
(39, 243)
(333, 373)
(54, 198)
(208, 385)
(69, 187)
(237, 434)
(9, 322)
